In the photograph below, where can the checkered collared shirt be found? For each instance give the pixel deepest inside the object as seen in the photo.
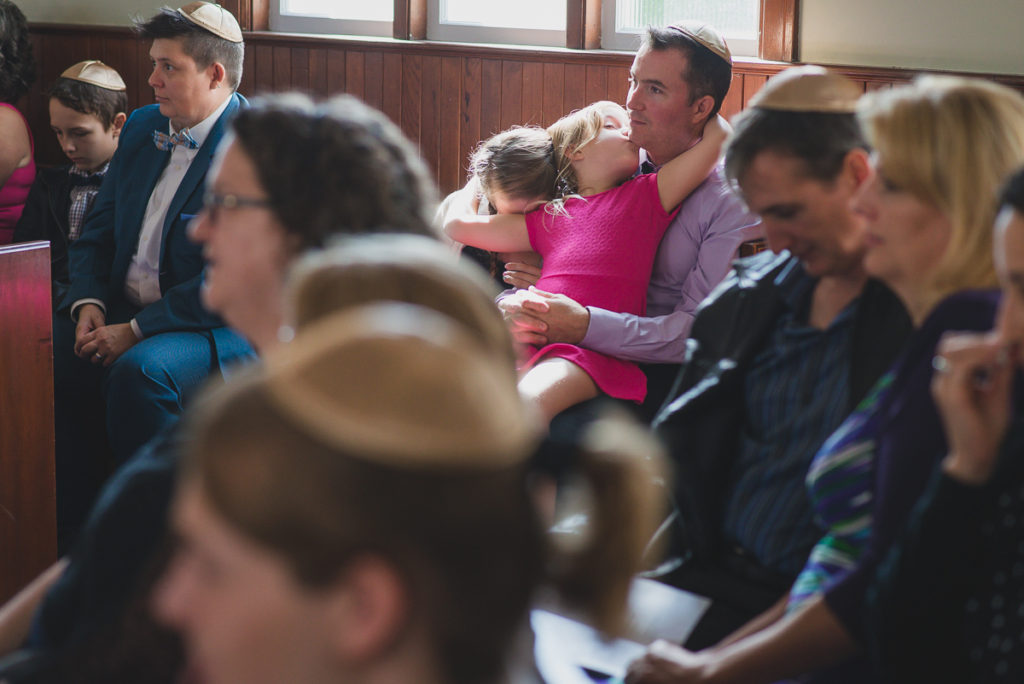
(84, 189)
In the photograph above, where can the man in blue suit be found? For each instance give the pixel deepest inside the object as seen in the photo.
(137, 334)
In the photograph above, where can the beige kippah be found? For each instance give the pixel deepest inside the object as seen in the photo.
(404, 386)
(808, 88)
(95, 72)
(214, 19)
(706, 36)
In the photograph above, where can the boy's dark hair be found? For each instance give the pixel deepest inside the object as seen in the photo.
(706, 72)
(820, 140)
(19, 69)
(202, 46)
(86, 98)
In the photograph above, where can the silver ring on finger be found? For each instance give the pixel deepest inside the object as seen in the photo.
(99, 357)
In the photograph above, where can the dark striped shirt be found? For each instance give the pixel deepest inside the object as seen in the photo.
(796, 394)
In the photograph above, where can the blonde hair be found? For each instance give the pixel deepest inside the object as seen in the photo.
(573, 131)
(951, 142)
(517, 162)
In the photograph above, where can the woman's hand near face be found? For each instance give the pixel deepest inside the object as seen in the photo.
(971, 386)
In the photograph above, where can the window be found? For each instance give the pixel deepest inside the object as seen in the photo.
(525, 22)
(622, 21)
(356, 17)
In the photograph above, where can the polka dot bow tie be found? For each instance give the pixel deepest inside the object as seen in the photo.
(166, 142)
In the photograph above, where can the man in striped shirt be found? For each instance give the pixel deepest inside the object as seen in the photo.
(779, 354)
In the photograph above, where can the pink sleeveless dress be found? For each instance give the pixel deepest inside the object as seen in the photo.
(602, 255)
(15, 191)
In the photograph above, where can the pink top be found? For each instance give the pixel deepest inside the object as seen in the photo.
(602, 255)
(15, 191)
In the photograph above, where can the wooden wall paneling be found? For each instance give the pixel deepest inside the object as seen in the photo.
(412, 96)
(318, 73)
(490, 97)
(533, 94)
(733, 102)
(554, 84)
(263, 78)
(375, 85)
(470, 110)
(248, 84)
(618, 84)
(431, 114)
(393, 83)
(751, 84)
(597, 83)
(336, 71)
(355, 73)
(300, 71)
(450, 162)
(574, 89)
(139, 69)
(511, 93)
(282, 68)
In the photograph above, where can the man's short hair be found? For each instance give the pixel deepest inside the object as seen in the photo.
(820, 140)
(706, 73)
(103, 103)
(202, 46)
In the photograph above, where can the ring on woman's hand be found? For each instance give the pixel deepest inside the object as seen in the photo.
(940, 363)
(99, 357)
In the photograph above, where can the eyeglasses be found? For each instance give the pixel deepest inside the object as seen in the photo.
(212, 202)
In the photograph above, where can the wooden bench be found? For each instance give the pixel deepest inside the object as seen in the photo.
(28, 518)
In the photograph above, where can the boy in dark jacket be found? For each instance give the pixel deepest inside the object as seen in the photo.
(88, 106)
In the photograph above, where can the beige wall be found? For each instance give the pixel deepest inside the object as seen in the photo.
(977, 35)
(102, 12)
(981, 35)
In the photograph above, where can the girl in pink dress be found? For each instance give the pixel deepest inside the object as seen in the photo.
(598, 240)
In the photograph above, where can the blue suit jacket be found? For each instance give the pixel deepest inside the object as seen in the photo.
(99, 259)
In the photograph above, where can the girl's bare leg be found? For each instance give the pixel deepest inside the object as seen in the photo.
(554, 385)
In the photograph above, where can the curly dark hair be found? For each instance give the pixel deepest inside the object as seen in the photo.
(335, 167)
(17, 68)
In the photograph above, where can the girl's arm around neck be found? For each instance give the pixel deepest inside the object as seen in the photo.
(681, 176)
(499, 233)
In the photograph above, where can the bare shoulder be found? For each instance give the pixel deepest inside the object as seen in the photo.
(14, 135)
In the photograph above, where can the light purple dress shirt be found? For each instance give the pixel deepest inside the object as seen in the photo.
(693, 257)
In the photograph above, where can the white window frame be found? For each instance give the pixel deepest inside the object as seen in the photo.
(614, 40)
(463, 33)
(301, 23)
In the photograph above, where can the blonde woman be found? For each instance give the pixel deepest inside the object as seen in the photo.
(942, 146)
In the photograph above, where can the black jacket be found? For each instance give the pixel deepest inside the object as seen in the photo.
(703, 417)
(45, 217)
